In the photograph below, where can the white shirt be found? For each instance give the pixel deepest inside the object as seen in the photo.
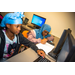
(8, 41)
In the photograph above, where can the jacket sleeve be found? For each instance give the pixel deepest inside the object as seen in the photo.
(28, 43)
(32, 37)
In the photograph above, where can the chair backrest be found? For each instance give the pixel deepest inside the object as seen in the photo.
(25, 33)
(1, 17)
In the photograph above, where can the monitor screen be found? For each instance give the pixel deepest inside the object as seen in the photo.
(38, 20)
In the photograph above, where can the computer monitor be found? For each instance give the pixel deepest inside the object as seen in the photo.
(38, 21)
(61, 41)
(67, 52)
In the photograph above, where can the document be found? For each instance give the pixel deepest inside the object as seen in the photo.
(46, 47)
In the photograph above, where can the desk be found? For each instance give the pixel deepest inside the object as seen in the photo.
(28, 55)
(25, 27)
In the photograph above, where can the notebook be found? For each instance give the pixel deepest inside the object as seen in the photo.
(46, 47)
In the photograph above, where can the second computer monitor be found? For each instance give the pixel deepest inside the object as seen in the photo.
(38, 21)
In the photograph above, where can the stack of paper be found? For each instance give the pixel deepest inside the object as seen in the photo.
(46, 47)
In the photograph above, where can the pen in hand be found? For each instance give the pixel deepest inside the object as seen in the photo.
(42, 57)
(41, 53)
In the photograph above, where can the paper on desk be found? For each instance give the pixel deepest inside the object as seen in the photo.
(46, 47)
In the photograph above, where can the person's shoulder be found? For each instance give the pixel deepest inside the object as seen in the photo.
(33, 33)
(20, 34)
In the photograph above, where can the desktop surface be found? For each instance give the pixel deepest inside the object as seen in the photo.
(28, 55)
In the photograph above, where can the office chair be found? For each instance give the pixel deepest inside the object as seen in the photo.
(25, 33)
(1, 17)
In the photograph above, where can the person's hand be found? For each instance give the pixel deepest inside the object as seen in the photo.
(43, 41)
(41, 53)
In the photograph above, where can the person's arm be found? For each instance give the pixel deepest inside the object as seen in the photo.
(26, 42)
(30, 44)
(43, 41)
(32, 37)
(51, 38)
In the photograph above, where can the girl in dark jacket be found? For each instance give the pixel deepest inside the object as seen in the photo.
(11, 38)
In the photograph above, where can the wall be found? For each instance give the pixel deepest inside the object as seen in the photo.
(57, 20)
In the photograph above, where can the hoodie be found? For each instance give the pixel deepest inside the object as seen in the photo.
(20, 40)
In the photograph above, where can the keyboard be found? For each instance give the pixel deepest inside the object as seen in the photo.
(32, 27)
(40, 59)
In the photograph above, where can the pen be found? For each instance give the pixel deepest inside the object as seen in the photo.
(42, 57)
